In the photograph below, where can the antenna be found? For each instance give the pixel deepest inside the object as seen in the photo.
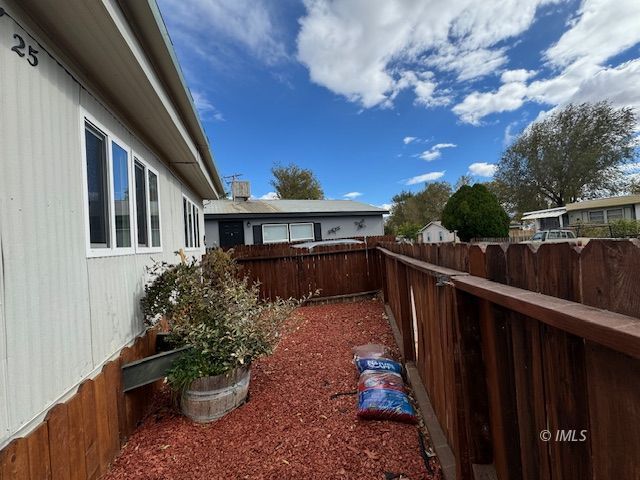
(229, 179)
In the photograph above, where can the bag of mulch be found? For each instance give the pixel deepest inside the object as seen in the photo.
(380, 380)
(385, 404)
(370, 350)
(378, 364)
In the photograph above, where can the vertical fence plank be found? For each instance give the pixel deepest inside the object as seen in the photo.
(76, 438)
(92, 456)
(529, 389)
(403, 316)
(614, 389)
(39, 459)
(58, 425)
(14, 460)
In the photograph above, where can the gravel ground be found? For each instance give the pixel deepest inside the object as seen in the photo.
(291, 428)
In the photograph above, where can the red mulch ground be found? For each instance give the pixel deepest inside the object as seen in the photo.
(290, 428)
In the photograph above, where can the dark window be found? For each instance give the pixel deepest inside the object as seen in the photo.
(141, 205)
(97, 186)
(154, 209)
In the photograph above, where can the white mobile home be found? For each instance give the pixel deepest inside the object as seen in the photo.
(104, 168)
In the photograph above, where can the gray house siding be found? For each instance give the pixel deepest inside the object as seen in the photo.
(342, 226)
(583, 216)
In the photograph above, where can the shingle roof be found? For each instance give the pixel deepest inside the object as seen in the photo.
(231, 207)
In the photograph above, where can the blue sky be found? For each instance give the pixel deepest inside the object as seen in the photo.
(377, 96)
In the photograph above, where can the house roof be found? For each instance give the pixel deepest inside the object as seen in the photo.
(546, 213)
(604, 202)
(434, 222)
(261, 208)
(121, 50)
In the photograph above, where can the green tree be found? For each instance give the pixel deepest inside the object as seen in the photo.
(575, 153)
(409, 230)
(418, 208)
(295, 183)
(473, 211)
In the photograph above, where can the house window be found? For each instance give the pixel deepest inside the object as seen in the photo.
(429, 238)
(191, 214)
(615, 214)
(120, 161)
(301, 231)
(275, 233)
(596, 216)
(440, 236)
(97, 187)
(147, 206)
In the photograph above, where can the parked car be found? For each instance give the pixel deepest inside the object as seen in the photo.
(556, 236)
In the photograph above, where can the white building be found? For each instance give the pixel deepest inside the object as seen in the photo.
(104, 168)
(434, 232)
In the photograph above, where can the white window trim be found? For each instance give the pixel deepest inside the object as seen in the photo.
(275, 225)
(191, 231)
(313, 237)
(148, 168)
(111, 250)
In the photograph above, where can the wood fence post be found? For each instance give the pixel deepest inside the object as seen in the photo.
(405, 320)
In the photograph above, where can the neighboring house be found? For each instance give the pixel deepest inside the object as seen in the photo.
(251, 222)
(600, 210)
(546, 219)
(604, 210)
(434, 232)
(104, 170)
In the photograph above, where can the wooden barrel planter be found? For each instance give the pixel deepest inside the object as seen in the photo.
(210, 398)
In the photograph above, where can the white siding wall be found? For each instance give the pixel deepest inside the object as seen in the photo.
(434, 232)
(62, 315)
(374, 226)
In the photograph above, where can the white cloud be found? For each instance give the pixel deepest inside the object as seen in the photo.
(435, 152)
(248, 23)
(205, 107)
(601, 30)
(408, 140)
(426, 177)
(520, 75)
(269, 196)
(482, 169)
(352, 195)
(386, 206)
(370, 50)
(509, 134)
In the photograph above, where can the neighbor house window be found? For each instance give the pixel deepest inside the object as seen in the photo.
(301, 231)
(275, 233)
(440, 236)
(191, 215)
(97, 187)
(615, 214)
(596, 216)
(147, 206)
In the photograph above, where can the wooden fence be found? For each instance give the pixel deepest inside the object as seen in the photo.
(80, 437)
(513, 343)
(335, 270)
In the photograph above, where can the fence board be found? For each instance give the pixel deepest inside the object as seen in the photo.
(76, 441)
(92, 456)
(14, 460)
(58, 425)
(614, 391)
(38, 444)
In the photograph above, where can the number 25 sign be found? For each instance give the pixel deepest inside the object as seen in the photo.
(20, 47)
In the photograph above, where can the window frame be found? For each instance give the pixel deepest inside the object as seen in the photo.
(147, 168)
(112, 250)
(621, 217)
(601, 212)
(286, 225)
(306, 239)
(190, 229)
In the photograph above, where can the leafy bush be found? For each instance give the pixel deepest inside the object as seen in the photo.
(624, 228)
(209, 308)
(474, 212)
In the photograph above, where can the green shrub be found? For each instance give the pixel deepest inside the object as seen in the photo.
(209, 308)
(474, 212)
